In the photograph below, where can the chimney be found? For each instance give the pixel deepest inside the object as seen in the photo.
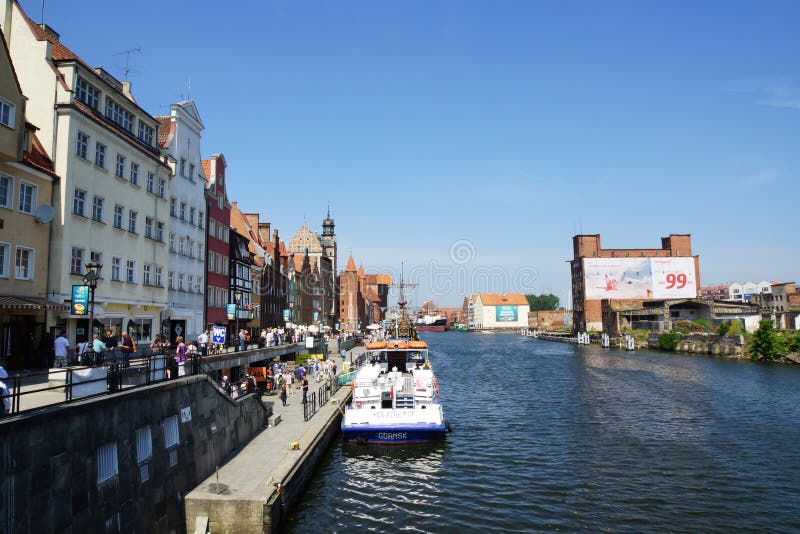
(263, 231)
(50, 32)
(126, 90)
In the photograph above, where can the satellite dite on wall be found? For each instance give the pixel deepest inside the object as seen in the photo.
(44, 213)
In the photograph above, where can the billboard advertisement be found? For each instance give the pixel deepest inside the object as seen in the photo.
(80, 300)
(505, 314)
(639, 278)
(230, 311)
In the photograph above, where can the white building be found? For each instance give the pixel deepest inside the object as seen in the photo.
(179, 136)
(742, 292)
(493, 311)
(111, 203)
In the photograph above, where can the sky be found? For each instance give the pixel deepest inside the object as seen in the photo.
(469, 140)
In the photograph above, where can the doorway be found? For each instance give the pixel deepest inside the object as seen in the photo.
(177, 327)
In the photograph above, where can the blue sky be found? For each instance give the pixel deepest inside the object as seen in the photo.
(493, 130)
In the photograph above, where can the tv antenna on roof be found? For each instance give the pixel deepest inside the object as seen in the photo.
(127, 53)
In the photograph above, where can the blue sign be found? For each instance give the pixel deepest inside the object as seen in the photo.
(285, 315)
(218, 335)
(231, 311)
(316, 316)
(505, 314)
(80, 300)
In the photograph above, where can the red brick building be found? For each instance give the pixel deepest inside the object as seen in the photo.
(218, 210)
(600, 274)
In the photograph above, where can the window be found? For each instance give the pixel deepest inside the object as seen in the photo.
(143, 329)
(96, 257)
(162, 187)
(190, 284)
(151, 182)
(146, 275)
(87, 93)
(118, 114)
(145, 133)
(191, 215)
(6, 113)
(200, 220)
(5, 251)
(82, 145)
(100, 155)
(144, 445)
(171, 438)
(200, 252)
(183, 211)
(27, 197)
(211, 260)
(225, 234)
(23, 263)
(120, 167)
(172, 209)
(171, 279)
(172, 241)
(191, 171)
(107, 466)
(130, 271)
(148, 227)
(220, 297)
(160, 231)
(210, 296)
(97, 208)
(79, 202)
(182, 246)
(116, 267)
(132, 216)
(219, 264)
(219, 202)
(190, 246)
(212, 227)
(157, 271)
(183, 167)
(118, 216)
(76, 263)
(180, 282)
(134, 173)
(6, 191)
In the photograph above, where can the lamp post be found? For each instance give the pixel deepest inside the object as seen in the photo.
(237, 297)
(90, 279)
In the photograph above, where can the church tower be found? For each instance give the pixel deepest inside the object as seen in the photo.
(328, 239)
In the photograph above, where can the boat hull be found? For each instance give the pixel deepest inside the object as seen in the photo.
(430, 328)
(394, 435)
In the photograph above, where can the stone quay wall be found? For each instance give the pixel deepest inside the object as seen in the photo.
(55, 463)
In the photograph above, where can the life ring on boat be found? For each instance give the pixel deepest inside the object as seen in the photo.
(353, 385)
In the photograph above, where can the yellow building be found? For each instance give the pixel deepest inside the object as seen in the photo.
(26, 185)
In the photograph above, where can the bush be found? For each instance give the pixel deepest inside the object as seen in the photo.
(766, 343)
(668, 340)
(705, 324)
(724, 328)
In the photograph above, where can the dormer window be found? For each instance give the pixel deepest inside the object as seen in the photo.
(118, 114)
(145, 134)
(7, 113)
(87, 93)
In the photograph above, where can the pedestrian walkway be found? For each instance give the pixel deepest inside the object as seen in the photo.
(250, 478)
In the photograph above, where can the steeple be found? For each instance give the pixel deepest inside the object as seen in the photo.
(351, 265)
(361, 273)
(328, 225)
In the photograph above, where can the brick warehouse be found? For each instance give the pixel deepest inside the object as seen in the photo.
(622, 273)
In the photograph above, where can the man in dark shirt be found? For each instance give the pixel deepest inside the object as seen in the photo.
(305, 389)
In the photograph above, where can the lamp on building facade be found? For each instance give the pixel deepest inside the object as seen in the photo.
(90, 279)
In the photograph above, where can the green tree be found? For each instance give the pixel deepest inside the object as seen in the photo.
(546, 301)
(724, 328)
(765, 344)
(668, 340)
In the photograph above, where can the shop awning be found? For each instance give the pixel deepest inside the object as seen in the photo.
(8, 302)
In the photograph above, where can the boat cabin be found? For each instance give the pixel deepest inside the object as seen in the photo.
(404, 354)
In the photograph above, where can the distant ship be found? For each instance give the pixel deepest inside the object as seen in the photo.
(431, 323)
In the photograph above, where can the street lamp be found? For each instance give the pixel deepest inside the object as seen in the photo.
(237, 297)
(90, 279)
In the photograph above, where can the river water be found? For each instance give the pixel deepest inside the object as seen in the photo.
(554, 437)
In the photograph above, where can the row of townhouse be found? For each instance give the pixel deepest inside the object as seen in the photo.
(87, 175)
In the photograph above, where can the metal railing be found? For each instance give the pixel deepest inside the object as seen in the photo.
(117, 370)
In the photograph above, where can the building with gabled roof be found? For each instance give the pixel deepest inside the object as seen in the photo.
(218, 209)
(500, 311)
(111, 203)
(179, 136)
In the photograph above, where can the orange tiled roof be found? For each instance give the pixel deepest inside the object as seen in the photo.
(371, 295)
(38, 159)
(491, 299)
(282, 248)
(166, 130)
(298, 263)
(351, 265)
(361, 272)
(206, 164)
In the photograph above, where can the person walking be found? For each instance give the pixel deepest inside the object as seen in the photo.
(4, 393)
(180, 357)
(99, 348)
(202, 340)
(283, 394)
(61, 347)
(242, 340)
(305, 389)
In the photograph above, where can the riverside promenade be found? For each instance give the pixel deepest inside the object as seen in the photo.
(257, 487)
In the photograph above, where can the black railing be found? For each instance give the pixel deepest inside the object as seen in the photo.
(310, 406)
(117, 369)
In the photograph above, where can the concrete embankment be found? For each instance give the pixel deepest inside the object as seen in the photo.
(258, 486)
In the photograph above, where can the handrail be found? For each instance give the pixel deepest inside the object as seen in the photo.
(144, 361)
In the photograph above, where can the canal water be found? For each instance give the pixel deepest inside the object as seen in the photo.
(555, 437)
